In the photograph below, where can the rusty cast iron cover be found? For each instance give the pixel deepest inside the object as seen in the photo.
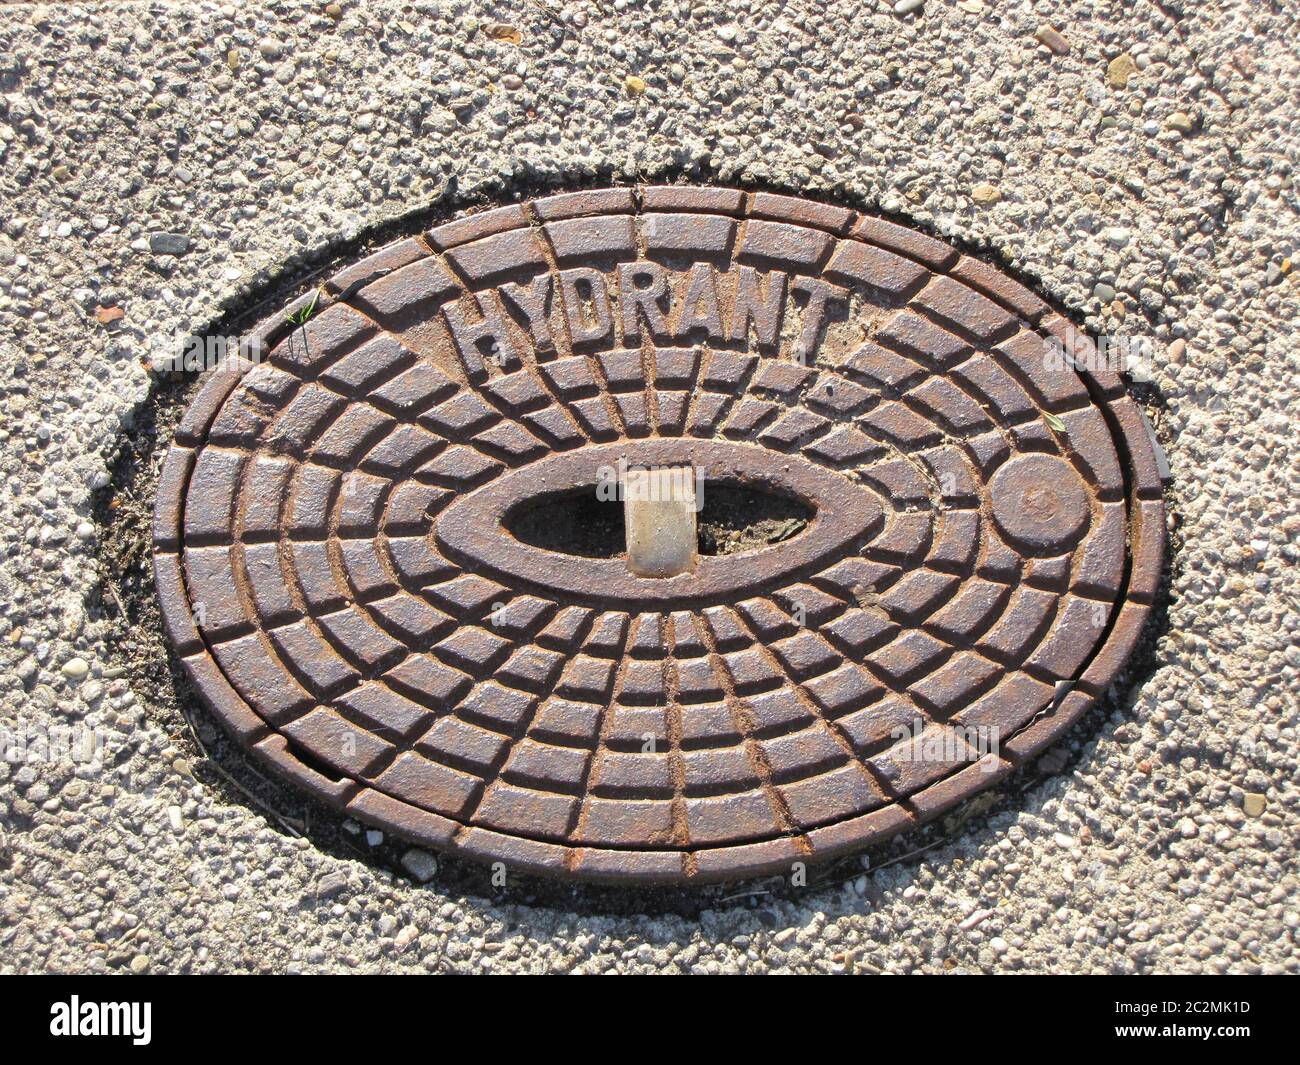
(338, 577)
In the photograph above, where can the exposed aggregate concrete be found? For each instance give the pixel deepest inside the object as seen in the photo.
(173, 162)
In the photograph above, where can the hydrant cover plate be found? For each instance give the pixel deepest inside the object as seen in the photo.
(338, 574)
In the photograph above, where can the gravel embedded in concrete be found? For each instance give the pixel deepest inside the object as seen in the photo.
(271, 136)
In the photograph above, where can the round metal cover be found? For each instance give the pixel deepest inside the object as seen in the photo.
(338, 571)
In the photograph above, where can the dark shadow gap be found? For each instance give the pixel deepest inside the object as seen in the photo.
(734, 519)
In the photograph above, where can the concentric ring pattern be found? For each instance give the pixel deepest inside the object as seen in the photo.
(336, 576)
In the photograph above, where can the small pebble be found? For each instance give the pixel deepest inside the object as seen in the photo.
(331, 885)
(75, 668)
(1053, 38)
(1119, 70)
(169, 243)
(422, 865)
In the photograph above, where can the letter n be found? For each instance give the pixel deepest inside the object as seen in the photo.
(758, 303)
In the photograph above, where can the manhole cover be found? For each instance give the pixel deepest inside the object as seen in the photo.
(392, 558)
